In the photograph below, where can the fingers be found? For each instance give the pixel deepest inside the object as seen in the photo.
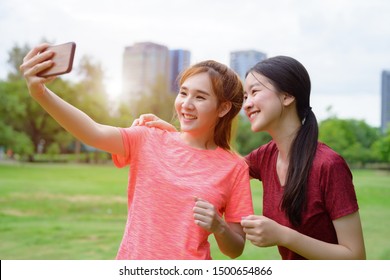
(156, 124)
(36, 61)
(207, 216)
(203, 224)
(203, 210)
(38, 49)
(203, 207)
(254, 239)
(144, 118)
(151, 120)
(34, 58)
(135, 122)
(141, 122)
(35, 69)
(250, 221)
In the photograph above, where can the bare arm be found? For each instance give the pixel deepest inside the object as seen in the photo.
(264, 232)
(231, 240)
(76, 122)
(350, 239)
(230, 237)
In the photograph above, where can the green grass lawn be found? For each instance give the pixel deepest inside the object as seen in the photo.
(78, 212)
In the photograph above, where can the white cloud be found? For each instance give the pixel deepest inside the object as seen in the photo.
(345, 44)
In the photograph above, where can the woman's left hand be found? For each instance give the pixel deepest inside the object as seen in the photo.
(152, 120)
(261, 231)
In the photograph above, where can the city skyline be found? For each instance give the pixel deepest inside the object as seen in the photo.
(241, 61)
(144, 64)
(344, 51)
(385, 101)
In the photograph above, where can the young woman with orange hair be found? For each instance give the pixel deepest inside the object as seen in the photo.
(176, 179)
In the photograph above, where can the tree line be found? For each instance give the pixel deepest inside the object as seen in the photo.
(29, 133)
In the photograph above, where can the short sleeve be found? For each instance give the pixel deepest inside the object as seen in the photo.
(340, 196)
(132, 138)
(253, 163)
(240, 201)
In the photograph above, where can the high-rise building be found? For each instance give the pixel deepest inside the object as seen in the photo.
(385, 112)
(242, 61)
(179, 60)
(144, 65)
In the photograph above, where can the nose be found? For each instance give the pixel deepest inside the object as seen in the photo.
(248, 104)
(187, 103)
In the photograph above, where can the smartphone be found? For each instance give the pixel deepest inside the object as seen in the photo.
(62, 58)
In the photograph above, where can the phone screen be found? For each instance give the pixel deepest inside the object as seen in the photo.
(62, 58)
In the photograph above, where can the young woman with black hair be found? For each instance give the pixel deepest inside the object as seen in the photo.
(310, 210)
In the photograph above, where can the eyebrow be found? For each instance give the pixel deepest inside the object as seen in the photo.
(258, 83)
(196, 90)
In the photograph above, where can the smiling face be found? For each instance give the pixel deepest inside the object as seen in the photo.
(263, 105)
(197, 107)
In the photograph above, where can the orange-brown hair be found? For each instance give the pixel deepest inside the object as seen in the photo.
(227, 87)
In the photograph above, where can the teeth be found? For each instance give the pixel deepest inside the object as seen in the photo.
(252, 115)
(189, 116)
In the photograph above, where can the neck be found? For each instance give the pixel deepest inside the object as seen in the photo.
(198, 142)
(284, 135)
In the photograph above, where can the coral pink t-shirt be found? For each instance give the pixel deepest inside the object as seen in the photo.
(165, 177)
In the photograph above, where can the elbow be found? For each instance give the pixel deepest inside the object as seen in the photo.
(361, 255)
(233, 254)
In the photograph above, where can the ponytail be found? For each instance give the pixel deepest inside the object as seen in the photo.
(302, 154)
(290, 76)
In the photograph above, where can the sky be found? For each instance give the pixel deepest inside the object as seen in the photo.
(344, 44)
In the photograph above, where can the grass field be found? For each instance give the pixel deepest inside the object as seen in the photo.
(78, 212)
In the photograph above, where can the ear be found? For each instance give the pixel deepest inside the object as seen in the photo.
(224, 108)
(287, 99)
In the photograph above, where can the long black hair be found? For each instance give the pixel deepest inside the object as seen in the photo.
(288, 75)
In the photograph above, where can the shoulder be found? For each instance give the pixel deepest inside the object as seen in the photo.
(266, 148)
(328, 161)
(327, 156)
(231, 156)
(262, 153)
(229, 159)
(142, 131)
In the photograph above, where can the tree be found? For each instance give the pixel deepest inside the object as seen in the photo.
(381, 147)
(15, 59)
(14, 114)
(351, 138)
(159, 101)
(246, 140)
(22, 118)
(90, 95)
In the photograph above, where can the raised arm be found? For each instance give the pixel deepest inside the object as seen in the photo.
(76, 122)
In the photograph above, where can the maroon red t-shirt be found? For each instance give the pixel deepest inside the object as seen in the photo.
(330, 192)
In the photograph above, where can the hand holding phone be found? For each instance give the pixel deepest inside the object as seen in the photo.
(62, 58)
